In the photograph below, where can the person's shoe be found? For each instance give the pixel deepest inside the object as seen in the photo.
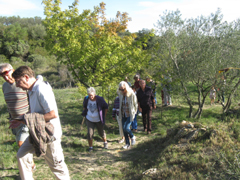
(121, 141)
(126, 146)
(90, 149)
(149, 132)
(139, 114)
(145, 130)
(135, 130)
(133, 140)
(105, 145)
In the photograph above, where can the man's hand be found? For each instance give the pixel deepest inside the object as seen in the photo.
(50, 115)
(114, 118)
(15, 123)
(154, 107)
(140, 109)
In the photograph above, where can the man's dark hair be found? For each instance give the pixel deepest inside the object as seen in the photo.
(23, 70)
(133, 87)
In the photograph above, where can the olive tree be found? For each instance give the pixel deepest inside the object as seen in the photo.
(197, 49)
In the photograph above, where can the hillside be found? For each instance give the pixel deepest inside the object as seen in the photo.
(167, 153)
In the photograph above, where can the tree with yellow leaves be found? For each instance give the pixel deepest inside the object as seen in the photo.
(89, 44)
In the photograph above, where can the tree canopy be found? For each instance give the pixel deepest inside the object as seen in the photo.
(195, 49)
(90, 45)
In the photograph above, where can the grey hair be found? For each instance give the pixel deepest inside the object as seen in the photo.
(91, 90)
(142, 81)
(5, 65)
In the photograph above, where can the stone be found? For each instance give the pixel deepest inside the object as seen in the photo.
(190, 125)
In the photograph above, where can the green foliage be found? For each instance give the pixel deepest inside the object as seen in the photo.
(89, 44)
(16, 62)
(194, 50)
(82, 89)
(37, 60)
(3, 58)
(14, 41)
(17, 49)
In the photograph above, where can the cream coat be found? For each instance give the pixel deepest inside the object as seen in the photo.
(132, 104)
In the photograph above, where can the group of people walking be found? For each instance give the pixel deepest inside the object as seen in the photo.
(33, 110)
(35, 121)
(130, 101)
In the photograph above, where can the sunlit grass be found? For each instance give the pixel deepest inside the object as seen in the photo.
(209, 157)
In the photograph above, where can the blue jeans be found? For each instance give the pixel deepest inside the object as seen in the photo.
(126, 129)
(134, 123)
(155, 97)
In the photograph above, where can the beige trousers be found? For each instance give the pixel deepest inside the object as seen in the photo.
(120, 126)
(54, 158)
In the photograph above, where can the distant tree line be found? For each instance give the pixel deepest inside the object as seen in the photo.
(22, 42)
(86, 49)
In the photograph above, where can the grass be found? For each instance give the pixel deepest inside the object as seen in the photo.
(214, 155)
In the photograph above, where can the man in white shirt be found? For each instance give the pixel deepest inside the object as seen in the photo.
(42, 101)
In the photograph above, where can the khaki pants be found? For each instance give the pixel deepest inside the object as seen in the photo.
(54, 158)
(91, 126)
(120, 126)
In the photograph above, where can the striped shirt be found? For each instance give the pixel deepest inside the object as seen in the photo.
(115, 109)
(16, 99)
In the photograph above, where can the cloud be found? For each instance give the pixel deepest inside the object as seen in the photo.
(12, 7)
(192, 8)
(150, 11)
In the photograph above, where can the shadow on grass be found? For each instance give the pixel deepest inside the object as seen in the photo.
(8, 142)
(4, 169)
(3, 109)
(145, 156)
(15, 177)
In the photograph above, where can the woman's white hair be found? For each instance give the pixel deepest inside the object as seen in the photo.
(91, 90)
(124, 84)
(5, 65)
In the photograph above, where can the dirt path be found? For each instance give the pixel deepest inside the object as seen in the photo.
(99, 164)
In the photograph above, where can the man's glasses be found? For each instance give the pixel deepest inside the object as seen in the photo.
(5, 73)
(121, 89)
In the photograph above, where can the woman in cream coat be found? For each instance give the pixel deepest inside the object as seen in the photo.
(127, 109)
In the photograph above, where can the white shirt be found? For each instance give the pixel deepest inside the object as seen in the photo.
(92, 113)
(42, 101)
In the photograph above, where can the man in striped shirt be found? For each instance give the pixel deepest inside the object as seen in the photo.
(16, 100)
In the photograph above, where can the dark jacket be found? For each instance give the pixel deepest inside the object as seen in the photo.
(145, 98)
(101, 105)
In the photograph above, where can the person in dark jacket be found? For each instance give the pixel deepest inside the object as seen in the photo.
(95, 109)
(146, 103)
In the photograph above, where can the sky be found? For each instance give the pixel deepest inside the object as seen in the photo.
(144, 13)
